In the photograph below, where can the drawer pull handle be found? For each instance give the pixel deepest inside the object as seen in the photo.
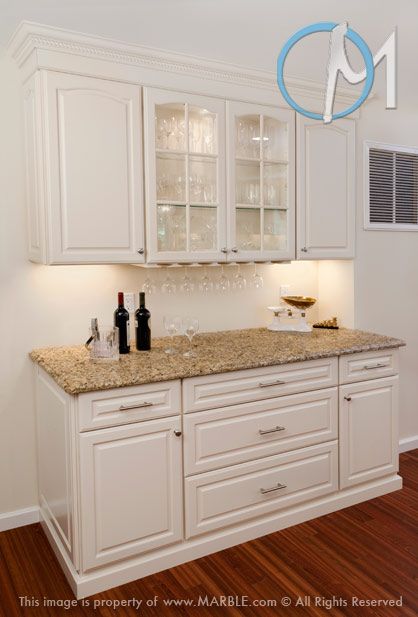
(266, 384)
(279, 486)
(136, 406)
(347, 398)
(276, 429)
(369, 367)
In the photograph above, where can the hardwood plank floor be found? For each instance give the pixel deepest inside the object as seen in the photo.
(369, 551)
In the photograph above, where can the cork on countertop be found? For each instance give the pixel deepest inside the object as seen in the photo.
(217, 352)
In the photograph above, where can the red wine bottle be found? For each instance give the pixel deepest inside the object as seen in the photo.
(142, 329)
(121, 320)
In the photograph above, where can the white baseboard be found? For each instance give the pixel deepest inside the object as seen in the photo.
(19, 518)
(408, 443)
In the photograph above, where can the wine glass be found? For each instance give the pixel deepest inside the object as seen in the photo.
(223, 283)
(187, 285)
(239, 283)
(169, 286)
(190, 328)
(205, 285)
(172, 324)
(257, 279)
(149, 286)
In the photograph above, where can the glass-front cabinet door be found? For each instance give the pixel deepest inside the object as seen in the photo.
(185, 177)
(261, 180)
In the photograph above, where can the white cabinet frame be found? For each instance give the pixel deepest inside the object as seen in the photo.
(153, 97)
(235, 108)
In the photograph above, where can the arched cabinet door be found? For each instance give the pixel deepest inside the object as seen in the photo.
(325, 189)
(93, 197)
(261, 179)
(185, 177)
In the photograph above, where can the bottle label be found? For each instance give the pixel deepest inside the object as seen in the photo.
(136, 323)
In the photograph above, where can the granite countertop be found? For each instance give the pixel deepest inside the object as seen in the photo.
(217, 352)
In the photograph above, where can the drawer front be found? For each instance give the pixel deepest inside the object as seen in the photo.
(125, 405)
(229, 496)
(226, 389)
(368, 365)
(240, 433)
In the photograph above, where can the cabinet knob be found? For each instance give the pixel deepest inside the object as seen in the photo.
(304, 250)
(141, 251)
(234, 250)
(347, 398)
(177, 433)
(224, 250)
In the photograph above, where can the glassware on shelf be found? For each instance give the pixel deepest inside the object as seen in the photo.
(248, 229)
(257, 280)
(247, 183)
(239, 282)
(202, 131)
(172, 324)
(186, 285)
(190, 327)
(170, 127)
(169, 286)
(149, 287)
(275, 230)
(203, 228)
(223, 284)
(171, 177)
(205, 283)
(247, 140)
(275, 140)
(171, 228)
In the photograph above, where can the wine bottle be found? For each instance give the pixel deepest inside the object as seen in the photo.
(142, 329)
(121, 320)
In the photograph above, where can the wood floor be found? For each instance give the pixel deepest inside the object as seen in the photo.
(369, 551)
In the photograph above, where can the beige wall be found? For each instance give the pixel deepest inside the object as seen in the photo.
(43, 305)
(386, 267)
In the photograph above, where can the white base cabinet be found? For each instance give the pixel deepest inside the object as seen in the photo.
(136, 481)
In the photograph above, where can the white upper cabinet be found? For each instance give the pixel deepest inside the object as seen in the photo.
(261, 183)
(89, 192)
(185, 177)
(325, 189)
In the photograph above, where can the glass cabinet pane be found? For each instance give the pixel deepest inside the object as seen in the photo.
(275, 185)
(247, 137)
(275, 140)
(202, 180)
(171, 228)
(203, 228)
(247, 190)
(170, 126)
(202, 131)
(171, 178)
(275, 230)
(248, 229)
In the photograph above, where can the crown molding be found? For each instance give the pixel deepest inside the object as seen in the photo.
(30, 37)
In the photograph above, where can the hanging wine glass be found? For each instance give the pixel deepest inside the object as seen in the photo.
(186, 285)
(257, 279)
(223, 283)
(169, 286)
(149, 286)
(239, 283)
(205, 285)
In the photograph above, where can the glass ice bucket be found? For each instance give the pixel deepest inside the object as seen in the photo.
(104, 345)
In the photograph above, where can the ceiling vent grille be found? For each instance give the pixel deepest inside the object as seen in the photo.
(391, 200)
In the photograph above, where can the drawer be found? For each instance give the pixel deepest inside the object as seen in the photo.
(210, 391)
(126, 405)
(368, 365)
(216, 499)
(240, 433)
